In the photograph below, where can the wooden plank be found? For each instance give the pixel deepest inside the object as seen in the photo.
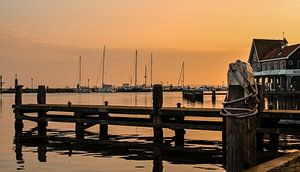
(141, 122)
(279, 131)
(281, 114)
(95, 109)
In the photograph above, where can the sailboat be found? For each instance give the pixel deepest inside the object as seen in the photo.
(126, 87)
(106, 88)
(81, 89)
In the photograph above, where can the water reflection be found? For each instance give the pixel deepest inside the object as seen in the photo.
(209, 152)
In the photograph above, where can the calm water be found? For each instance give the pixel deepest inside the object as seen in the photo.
(64, 158)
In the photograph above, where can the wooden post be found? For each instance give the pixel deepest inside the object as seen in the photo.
(42, 151)
(18, 121)
(157, 105)
(201, 96)
(261, 107)
(179, 133)
(104, 127)
(157, 158)
(79, 126)
(41, 99)
(213, 96)
(240, 131)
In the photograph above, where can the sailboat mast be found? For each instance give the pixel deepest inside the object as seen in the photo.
(151, 62)
(103, 65)
(145, 83)
(135, 80)
(183, 74)
(79, 74)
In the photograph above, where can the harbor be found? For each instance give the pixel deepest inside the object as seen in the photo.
(161, 86)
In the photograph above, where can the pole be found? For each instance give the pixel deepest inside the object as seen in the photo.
(157, 105)
(79, 79)
(183, 74)
(135, 79)
(41, 99)
(151, 63)
(103, 65)
(145, 83)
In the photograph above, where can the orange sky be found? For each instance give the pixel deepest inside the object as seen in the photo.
(43, 39)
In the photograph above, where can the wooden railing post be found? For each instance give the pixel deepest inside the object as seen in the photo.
(104, 127)
(41, 99)
(201, 96)
(79, 126)
(179, 133)
(157, 105)
(213, 96)
(18, 120)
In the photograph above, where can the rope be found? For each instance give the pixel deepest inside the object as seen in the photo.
(249, 93)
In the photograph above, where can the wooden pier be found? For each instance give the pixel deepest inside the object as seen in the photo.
(198, 95)
(270, 123)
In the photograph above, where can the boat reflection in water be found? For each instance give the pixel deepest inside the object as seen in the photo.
(143, 149)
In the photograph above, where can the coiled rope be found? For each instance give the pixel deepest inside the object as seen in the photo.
(250, 92)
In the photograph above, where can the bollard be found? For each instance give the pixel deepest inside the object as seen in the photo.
(240, 125)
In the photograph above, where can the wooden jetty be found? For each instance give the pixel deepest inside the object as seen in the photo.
(268, 122)
(198, 95)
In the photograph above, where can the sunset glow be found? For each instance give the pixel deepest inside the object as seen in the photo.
(44, 39)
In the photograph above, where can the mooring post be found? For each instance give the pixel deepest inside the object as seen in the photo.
(157, 105)
(260, 122)
(41, 99)
(18, 120)
(179, 133)
(79, 126)
(201, 96)
(213, 96)
(240, 125)
(104, 127)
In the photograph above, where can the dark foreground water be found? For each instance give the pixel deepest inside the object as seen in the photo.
(64, 156)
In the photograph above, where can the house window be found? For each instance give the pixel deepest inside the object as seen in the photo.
(277, 65)
(290, 62)
(264, 66)
(282, 64)
(298, 64)
(271, 65)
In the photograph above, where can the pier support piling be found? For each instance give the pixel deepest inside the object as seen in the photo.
(104, 127)
(213, 96)
(79, 126)
(157, 105)
(179, 133)
(41, 99)
(18, 102)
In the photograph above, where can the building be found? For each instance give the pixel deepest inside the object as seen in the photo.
(276, 64)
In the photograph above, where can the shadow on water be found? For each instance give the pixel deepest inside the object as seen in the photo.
(142, 149)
